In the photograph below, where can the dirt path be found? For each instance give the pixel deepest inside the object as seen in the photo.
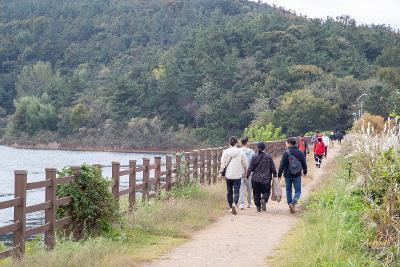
(246, 239)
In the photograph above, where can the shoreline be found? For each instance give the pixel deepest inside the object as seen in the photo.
(66, 147)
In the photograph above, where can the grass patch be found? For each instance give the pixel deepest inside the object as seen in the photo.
(150, 232)
(331, 231)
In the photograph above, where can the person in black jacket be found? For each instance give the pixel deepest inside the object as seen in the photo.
(262, 166)
(290, 179)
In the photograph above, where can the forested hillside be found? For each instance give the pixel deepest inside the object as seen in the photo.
(174, 72)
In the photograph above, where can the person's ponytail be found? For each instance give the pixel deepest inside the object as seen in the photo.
(261, 147)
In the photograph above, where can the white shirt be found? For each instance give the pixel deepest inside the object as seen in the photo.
(326, 140)
(237, 163)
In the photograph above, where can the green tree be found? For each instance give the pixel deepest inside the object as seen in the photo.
(390, 57)
(378, 101)
(301, 111)
(31, 116)
(34, 79)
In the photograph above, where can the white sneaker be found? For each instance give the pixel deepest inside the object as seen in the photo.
(230, 210)
(234, 209)
(248, 206)
(242, 206)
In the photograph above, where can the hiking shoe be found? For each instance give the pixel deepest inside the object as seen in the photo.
(242, 206)
(292, 208)
(263, 204)
(234, 209)
(258, 208)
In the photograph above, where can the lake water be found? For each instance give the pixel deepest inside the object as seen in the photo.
(35, 162)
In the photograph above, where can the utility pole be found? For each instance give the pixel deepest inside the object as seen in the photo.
(361, 98)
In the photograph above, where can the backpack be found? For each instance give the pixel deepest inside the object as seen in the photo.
(320, 148)
(295, 166)
(302, 146)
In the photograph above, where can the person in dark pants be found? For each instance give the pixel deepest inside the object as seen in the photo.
(292, 180)
(234, 162)
(319, 151)
(262, 166)
(340, 137)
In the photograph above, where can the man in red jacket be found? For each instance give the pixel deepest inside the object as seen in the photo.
(319, 151)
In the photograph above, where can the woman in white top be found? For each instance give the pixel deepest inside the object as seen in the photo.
(236, 166)
(326, 141)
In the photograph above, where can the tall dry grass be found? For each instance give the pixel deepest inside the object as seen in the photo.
(374, 160)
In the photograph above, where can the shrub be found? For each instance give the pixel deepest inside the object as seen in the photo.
(93, 209)
(377, 122)
(376, 174)
(2, 247)
(384, 193)
(190, 190)
(266, 132)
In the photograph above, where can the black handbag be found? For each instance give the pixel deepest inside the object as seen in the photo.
(223, 173)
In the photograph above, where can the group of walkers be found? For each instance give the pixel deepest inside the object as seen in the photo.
(321, 143)
(337, 136)
(248, 171)
(244, 169)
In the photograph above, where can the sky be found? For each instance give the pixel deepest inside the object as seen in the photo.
(363, 11)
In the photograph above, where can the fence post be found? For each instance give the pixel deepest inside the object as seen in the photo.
(214, 165)
(187, 167)
(146, 176)
(209, 165)
(20, 212)
(195, 164)
(115, 178)
(50, 213)
(220, 150)
(178, 169)
(202, 165)
(132, 184)
(157, 175)
(168, 178)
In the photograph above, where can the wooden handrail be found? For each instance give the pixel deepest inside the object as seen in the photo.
(37, 185)
(9, 228)
(10, 203)
(38, 207)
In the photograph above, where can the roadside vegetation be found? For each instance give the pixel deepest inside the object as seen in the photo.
(330, 231)
(146, 234)
(355, 219)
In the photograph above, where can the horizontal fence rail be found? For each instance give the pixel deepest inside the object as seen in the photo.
(202, 164)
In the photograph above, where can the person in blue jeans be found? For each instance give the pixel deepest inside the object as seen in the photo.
(246, 183)
(292, 180)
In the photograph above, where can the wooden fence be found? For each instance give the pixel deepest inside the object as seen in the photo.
(202, 164)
